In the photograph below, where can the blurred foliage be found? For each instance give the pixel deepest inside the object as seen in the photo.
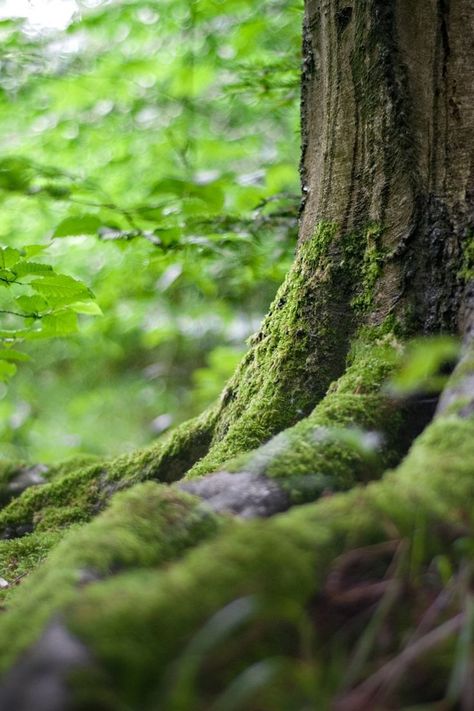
(152, 148)
(426, 366)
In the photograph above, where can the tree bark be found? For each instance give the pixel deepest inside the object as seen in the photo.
(388, 137)
(386, 252)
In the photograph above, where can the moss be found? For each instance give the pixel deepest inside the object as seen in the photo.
(467, 269)
(8, 470)
(365, 255)
(347, 268)
(144, 527)
(436, 477)
(20, 556)
(391, 326)
(140, 623)
(80, 461)
(299, 349)
(350, 436)
(79, 494)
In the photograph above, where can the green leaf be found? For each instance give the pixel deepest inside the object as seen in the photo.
(9, 257)
(14, 334)
(24, 268)
(60, 192)
(211, 194)
(91, 308)
(32, 250)
(168, 236)
(422, 369)
(63, 323)
(60, 290)
(78, 225)
(10, 354)
(7, 370)
(32, 304)
(7, 276)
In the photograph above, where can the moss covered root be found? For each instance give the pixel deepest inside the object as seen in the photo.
(76, 492)
(140, 624)
(300, 348)
(351, 436)
(143, 528)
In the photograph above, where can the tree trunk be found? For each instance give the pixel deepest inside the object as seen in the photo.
(388, 137)
(336, 588)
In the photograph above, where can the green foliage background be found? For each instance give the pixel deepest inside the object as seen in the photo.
(152, 149)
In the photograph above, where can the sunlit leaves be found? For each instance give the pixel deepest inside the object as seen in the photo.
(46, 309)
(34, 304)
(9, 257)
(150, 142)
(196, 196)
(23, 268)
(12, 355)
(60, 323)
(61, 290)
(91, 308)
(78, 225)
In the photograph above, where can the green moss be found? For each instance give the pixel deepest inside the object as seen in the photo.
(8, 469)
(79, 494)
(365, 254)
(436, 477)
(138, 621)
(350, 436)
(144, 527)
(299, 349)
(139, 624)
(20, 556)
(467, 269)
(302, 343)
(80, 461)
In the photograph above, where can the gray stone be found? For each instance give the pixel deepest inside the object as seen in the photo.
(38, 682)
(245, 494)
(32, 476)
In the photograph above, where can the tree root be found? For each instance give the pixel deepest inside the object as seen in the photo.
(135, 618)
(137, 624)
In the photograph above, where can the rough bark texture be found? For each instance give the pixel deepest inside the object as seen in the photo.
(164, 595)
(388, 136)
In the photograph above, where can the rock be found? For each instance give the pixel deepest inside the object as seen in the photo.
(4, 584)
(245, 494)
(86, 576)
(32, 476)
(39, 680)
(10, 532)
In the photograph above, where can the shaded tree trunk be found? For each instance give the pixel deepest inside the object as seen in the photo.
(388, 136)
(335, 588)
